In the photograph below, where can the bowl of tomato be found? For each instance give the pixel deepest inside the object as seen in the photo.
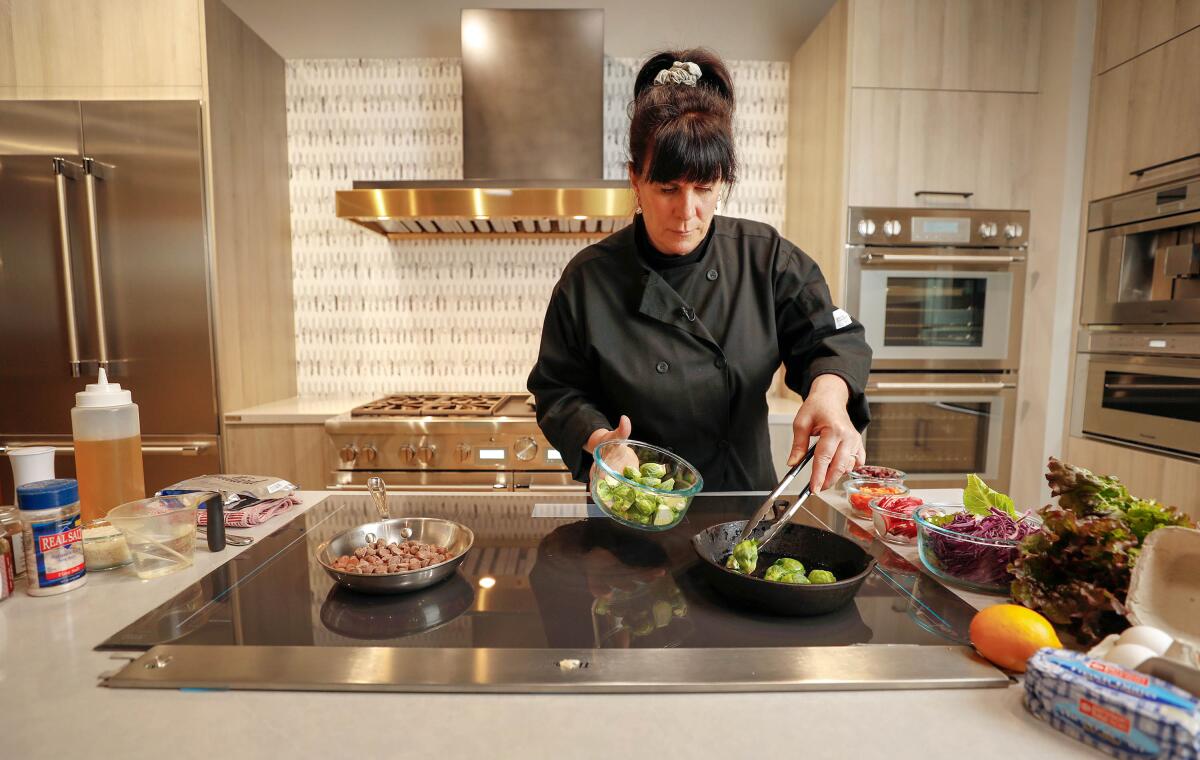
(860, 491)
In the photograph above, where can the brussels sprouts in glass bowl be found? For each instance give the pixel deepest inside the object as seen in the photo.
(642, 486)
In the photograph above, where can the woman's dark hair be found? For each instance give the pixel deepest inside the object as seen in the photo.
(679, 132)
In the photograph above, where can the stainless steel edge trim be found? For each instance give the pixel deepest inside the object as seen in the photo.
(90, 175)
(64, 170)
(885, 386)
(194, 448)
(929, 258)
(394, 669)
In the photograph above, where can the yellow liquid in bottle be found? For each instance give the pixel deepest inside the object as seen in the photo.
(109, 473)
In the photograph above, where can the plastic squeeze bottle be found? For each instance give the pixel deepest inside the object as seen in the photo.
(108, 448)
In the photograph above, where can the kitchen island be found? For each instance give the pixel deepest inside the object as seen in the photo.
(50, 673)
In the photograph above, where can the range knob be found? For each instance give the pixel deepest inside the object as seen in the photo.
(407, 454)
(1012, 231)
(464, 452)
(892, 227)
(369, 453)
(525, 448)
(987, 230)
(866, 227)
(348, 453)
(427, 453)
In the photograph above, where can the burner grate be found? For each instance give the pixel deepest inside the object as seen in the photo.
(432, 405)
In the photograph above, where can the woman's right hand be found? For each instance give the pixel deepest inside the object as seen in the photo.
(622, 456)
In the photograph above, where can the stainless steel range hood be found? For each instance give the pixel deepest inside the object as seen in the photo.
(533, 139)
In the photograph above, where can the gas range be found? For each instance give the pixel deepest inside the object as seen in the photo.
(446, 441)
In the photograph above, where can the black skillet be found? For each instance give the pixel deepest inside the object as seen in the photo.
(817, 549)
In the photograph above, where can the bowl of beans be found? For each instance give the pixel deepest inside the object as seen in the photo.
(877, 472)
(860, 491)
(396, 556)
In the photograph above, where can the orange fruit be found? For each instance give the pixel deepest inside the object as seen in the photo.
(1008, 635)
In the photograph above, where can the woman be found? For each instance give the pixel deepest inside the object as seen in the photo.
(674, 326)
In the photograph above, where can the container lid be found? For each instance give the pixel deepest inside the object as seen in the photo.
(103, 393)
(48, 494)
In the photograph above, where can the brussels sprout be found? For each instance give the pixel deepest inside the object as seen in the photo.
(674, 502)
(821, 576)
(744, 557)
(604, 491)
(790, 565)
(644, 504)
(651, 481)
(624, 491)
(601, 607)
(653, 470)
(661, 610)
(783, 570)
(632, 473)
(667, 485)
(664, 515)
(796, 578)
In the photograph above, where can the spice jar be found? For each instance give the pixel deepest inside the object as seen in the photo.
(7, 581)
(52, 536)
(10, 523)
(104, 546)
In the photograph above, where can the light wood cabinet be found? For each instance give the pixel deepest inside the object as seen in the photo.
(301, 453)
(1144, 114)
(1129, 28)
(134, 49)
(946, 44)
(905, 142)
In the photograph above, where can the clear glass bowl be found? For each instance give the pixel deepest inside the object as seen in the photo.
(978, 564)
(860, 491)
(877, 472)
(160, 533)
(895, 526)
(645, 506)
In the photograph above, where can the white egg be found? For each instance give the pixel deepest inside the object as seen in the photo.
(1129, 655)
(1147, 636)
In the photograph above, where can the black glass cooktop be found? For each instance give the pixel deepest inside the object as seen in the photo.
(543, 574)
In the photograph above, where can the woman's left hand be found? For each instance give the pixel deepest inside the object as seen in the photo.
(823, 413)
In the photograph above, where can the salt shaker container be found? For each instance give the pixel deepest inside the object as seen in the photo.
(53, 539)
(108, 447)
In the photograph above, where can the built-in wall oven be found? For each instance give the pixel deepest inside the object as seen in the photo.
(938, 288)
(940, 293)
(939, 427)
(1140, 387)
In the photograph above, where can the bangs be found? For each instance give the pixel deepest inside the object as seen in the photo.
(691, 148)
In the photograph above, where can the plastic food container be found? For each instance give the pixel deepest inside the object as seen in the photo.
(978, 564)
(860, 491)
(104, 547)
(876, 472)
(893, 520)
(160, 533)
(642, 505)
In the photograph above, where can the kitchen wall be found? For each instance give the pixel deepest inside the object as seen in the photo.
(374, 316)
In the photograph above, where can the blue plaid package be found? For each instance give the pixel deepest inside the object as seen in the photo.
(1125, 713)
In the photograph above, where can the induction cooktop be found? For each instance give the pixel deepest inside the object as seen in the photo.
(553, 597)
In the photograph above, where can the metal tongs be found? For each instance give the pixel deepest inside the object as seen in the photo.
(769, 504)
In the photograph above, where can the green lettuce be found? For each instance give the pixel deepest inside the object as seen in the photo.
(978, 499)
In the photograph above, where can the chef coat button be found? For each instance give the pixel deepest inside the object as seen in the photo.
(712, 274)
(662, 367)
(719, 363)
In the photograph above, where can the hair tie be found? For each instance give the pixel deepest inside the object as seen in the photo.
(681, 72)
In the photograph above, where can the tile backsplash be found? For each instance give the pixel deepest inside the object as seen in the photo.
(375, 316)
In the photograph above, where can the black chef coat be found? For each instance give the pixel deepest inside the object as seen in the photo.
(691, 369)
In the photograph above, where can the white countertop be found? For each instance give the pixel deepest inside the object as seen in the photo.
(50, 705)
(297, 410)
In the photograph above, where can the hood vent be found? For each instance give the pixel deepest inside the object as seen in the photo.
(533, 142)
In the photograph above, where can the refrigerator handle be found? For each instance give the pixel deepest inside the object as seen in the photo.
(93, 171)
(64, 170)
(187, 449)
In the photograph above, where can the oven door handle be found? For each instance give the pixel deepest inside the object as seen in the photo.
(932, 258)
(1152, 387)
(995, 386)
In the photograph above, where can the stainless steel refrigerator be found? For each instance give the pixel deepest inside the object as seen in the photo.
(103, 259)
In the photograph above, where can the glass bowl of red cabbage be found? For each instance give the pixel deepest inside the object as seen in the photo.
(968, 550)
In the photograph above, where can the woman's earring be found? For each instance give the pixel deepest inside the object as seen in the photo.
(638, 208)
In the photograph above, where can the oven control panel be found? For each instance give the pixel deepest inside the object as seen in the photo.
(958, 227)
